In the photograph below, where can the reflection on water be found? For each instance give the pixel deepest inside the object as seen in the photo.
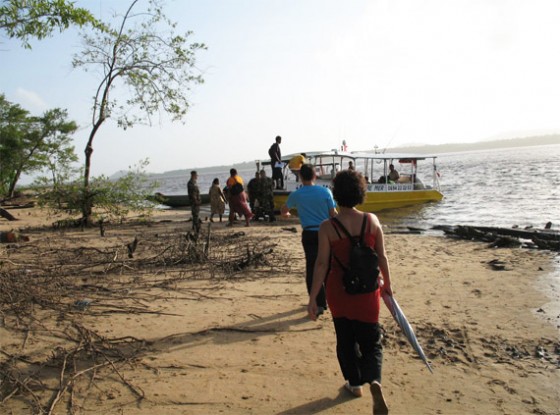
(405, 216)
(506, 187)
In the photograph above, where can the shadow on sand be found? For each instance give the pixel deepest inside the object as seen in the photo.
(319, 405)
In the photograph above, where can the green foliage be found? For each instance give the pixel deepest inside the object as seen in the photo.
(25, 19)
(29, 144)
(13, 128)
(110, 199)
(151, 67)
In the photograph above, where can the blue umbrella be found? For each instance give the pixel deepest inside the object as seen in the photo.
(405, 326)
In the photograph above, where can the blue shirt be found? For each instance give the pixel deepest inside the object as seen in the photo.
(313, 204)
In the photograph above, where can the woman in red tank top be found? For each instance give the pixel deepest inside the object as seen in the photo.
(355, 316)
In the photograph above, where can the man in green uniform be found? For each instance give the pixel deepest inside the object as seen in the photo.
(266, 196)
(253, 191)
(194, 199)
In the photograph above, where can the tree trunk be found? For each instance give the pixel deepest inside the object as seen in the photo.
(12, 188)
(87, 207)
(87, 201)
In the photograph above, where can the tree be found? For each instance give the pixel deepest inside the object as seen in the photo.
(25, 19)
(156, 68)
(29, 144)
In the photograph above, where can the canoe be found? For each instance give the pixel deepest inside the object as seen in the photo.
(176, 201)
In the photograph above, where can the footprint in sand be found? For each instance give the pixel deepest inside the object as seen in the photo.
(477, 292)
(503, 385)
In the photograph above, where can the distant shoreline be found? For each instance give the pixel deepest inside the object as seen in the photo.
(481, 145)
(423, 149)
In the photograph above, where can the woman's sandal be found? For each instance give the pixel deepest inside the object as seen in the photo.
(354, 390)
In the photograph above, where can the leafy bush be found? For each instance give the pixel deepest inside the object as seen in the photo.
(111, 199)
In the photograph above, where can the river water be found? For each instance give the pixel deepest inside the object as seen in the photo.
(514, 186)
(506, 187)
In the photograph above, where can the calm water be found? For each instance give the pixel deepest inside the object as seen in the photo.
(506, 187)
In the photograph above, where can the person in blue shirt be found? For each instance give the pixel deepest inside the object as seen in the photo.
(314, 204)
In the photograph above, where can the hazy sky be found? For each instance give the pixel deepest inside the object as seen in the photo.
(316, 72)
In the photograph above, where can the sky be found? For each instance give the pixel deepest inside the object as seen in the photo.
(372, 72)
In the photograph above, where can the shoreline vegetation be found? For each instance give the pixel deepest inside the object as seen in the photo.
(149, 319)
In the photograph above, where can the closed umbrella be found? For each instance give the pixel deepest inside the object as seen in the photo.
(405, 326)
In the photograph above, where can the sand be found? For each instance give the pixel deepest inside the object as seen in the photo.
(204, 343)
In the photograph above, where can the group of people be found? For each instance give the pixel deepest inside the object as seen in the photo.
(260, 190)
(258, 203)
(233, 194)
(355, 316)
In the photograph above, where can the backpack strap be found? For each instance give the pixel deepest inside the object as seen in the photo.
(336, 223)
(339, 224)
(362, 231)
(364, 222)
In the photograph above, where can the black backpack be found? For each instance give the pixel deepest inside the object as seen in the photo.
(360, 276)
(236, 189)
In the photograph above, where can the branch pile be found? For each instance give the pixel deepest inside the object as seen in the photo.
(48, 287)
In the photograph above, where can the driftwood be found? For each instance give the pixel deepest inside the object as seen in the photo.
(506, 237)
(543, 234)
(18, 205)
(7, 215)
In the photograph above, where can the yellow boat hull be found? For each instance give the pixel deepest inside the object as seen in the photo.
(376, 201)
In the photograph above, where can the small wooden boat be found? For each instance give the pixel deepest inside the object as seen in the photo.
(382, 193)
(176, 201)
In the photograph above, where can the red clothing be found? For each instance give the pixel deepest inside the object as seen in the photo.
(360, 307)
(238, 203)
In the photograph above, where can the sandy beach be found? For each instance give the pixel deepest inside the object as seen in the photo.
(168, 325)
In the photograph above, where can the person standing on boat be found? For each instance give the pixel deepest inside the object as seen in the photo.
(314, 204)
(194, 200)
(276, 163)
(355, 316)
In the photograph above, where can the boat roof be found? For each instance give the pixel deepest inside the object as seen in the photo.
(357, 155)
(392, 156)
(363, 154)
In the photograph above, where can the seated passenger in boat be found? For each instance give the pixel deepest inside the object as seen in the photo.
(392, 177)
(393, 174)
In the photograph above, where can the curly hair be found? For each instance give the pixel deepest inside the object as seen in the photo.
(349, 188)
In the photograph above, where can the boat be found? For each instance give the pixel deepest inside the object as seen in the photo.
(409, 189)
(176, 201)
